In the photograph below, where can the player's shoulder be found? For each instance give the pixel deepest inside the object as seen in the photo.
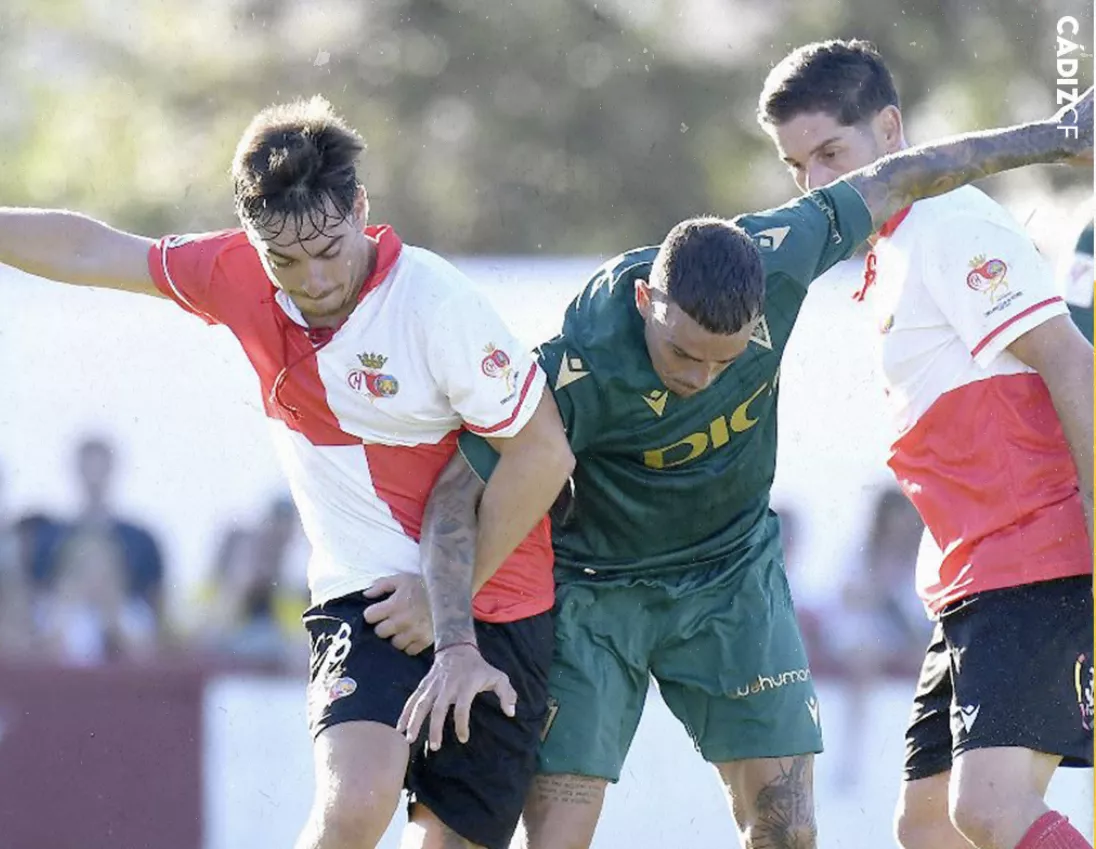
(219, 244)
(431, 279)
(606, 304)
(952, 214)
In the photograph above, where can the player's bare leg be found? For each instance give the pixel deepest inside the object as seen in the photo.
(921, 820)
(426, 831)
(561, 811)
(989, 800)
(359, 776)
(772, 800)
(997, 794)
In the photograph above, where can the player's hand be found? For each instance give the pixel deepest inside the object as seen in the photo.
(458, 675)
(403, 617)
(1079, 115)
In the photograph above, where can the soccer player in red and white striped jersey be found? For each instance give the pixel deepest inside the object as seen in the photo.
(991, 388)
(372, 355)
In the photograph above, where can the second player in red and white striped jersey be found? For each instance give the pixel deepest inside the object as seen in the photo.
(980, 449)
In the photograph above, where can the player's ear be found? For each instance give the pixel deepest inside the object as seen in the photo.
(643, 297)
(888, 127)
(361, 205)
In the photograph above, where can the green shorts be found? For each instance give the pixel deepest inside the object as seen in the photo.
(723, 646)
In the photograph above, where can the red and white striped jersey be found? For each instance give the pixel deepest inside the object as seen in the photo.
(365, 416)
(980, 450)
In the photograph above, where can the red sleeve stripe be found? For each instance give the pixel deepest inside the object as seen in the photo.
(517, 407)
(1010, 322)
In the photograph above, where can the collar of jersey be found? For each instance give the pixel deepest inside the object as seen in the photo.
(891, 224)
(389, 247)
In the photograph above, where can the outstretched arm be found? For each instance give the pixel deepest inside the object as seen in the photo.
(72, 248)
(896, 181)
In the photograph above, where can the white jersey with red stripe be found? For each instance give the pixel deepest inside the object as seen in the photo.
(365, 416)
(980, 450)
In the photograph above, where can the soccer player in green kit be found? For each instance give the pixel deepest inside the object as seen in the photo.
(668, 556)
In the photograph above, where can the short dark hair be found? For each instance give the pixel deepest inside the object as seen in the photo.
(711, 269)
(290, 161)
(847, 80)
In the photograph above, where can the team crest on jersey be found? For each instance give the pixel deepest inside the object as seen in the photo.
(369, 380)
(496, 365)
(1083, 683)
(988, 276)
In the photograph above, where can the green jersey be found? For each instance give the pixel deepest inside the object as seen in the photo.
(662, 482)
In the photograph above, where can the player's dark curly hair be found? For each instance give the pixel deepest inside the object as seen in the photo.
(711, 269)
(846, 80)
(290, 161)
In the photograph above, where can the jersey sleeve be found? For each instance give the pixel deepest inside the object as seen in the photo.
(576, 394)
(989, 281)
(186, 269)
(491, 380)
(806, 237)
(574, 386)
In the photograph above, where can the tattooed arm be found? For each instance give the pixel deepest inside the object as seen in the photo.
(896, 181)
(447, 552)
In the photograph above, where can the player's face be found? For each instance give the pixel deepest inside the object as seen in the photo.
(818, 149)
(321, 270)
(686, 357)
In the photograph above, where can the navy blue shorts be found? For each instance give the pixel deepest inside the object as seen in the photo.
(1010, 667)
(477, 789)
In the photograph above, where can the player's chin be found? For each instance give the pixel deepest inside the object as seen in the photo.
(682, 390)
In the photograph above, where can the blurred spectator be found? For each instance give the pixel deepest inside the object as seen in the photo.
(810, 615)
(882, 629)
(88, 616)
(16, 623)
(139, 554)
(252, 614)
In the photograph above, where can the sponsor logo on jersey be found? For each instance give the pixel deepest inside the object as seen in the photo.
(496, 365)
(717, 435)
(656, 400)
(968, 715)
(989, 276)
(369, 380)
(1083, 681)
(771, 239)
(570, 370)
(763, 683)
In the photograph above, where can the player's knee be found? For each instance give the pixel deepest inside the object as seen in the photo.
(913, 830)
(354, 814)
(974, 818)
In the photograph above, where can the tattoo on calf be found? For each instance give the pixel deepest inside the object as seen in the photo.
(785, 810)
(568, 790)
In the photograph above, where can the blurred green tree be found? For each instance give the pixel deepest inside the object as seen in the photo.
(557, 126)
